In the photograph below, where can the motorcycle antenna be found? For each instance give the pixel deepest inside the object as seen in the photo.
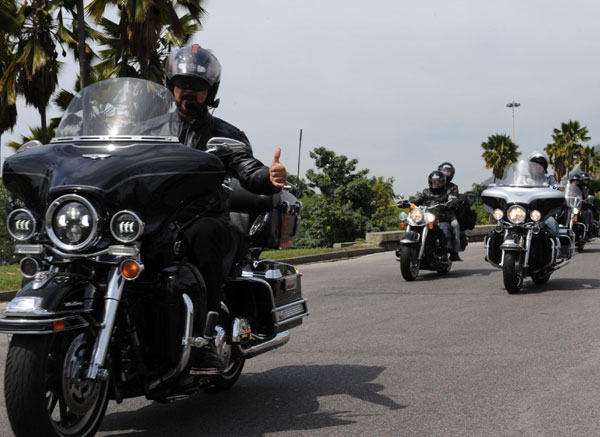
(299, 149)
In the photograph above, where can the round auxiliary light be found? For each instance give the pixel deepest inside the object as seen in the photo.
(416, 216)
(403, 216)
(21, 224)
(131, 269)
(29, 267)
(575, 211)
(71, 222)
(516, 214)
(498, 214)
(126, 226)
(535, 215)
(430, 217)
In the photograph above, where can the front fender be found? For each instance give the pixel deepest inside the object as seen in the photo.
(410, 237)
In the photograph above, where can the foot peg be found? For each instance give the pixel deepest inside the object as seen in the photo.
(205, 372)
(211, 322)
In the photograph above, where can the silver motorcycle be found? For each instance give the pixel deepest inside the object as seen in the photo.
(522, 243)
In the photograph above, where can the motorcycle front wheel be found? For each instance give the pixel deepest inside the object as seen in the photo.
(45, 389)
(512, 273)
(409, 262)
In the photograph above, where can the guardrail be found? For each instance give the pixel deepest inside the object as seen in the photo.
(389, 240)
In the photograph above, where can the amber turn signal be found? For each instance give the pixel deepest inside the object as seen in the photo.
(574, 219)
(131, 269)
(58, 325)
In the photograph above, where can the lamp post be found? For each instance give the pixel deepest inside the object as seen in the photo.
(513, 105)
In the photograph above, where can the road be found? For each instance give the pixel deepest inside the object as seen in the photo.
(444, 355)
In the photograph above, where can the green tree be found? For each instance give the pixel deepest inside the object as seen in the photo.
(8, 27)
(565, 146)
(35, 133)
(301, 186)
(588, 159)
(137, 46)
(349, 203)
(474, 194)
(499, 151)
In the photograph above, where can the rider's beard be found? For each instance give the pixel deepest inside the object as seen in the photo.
(188, 105)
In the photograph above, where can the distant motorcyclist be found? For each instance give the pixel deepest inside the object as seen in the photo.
(452, 191)
(193, 76)
(541, 159)
(436, 195)
(588, 207)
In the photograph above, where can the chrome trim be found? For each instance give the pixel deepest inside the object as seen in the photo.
(33, 308)
(527, 247)
(241, 328)
(423, 240)
(50, 213)
(187, 342)
(33, 230)
(119, 250)
(280, 339)
(39, 326)
(41, 278)
(78, 255)
(37, 269)
(141, 225)
(115, 138)
(114, 291)
(299, 302)
(29, 249)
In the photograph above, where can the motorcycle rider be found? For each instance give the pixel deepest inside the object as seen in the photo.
(588, 207)
(452, 192)
(551, 222)
(437, 194)
(193, 76)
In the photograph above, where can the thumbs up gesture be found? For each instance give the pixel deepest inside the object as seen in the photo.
(277, 170)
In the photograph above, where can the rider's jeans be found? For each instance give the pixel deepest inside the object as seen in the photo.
(445, 228)
(455, 234)
(552, 225)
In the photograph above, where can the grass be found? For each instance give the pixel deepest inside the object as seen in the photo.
(10, 277)
(290, 253)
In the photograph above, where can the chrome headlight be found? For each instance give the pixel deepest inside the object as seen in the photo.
(21, 224)
(516, 214)
(126, 226)
(575, 211)
(71, 222)
(535, 215)
(416, 216)
(430, 217)
(498, 214)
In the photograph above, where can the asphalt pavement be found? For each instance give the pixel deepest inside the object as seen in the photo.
(442, 356)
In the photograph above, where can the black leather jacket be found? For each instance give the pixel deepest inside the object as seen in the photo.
(252, 174)
(429, 198)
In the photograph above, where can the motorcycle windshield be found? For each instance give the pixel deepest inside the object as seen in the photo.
(524, 174)
(122, 107)
(573, 196)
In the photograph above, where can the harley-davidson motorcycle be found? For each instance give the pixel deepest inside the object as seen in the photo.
(423, 244)
(521, 244)
(573, 219)
(110, 306)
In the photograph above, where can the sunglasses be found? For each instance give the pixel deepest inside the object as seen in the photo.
(189, 83)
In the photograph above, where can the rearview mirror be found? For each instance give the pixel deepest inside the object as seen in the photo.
(223, 146)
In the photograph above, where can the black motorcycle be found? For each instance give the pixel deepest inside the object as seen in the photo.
(110, 305)
(423, 245)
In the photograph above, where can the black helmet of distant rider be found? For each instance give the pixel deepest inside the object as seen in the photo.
(448, 169)
(197, 69)
(575, 178)
(437, 181)
(540, 158)
(585, 178)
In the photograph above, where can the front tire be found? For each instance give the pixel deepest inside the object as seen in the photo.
(409, 264)
(511, 272)
(229, 376)
(34, 387)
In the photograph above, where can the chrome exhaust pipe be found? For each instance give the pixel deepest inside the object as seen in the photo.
(279, 340)
(186, 346)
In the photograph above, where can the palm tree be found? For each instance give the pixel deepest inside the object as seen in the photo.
(146, 32)
(35, 133)
(33, 64)
(565, 146)
(498, 153)
(8, 27)
(588, 159)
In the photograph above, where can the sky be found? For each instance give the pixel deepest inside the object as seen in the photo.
(401, 86)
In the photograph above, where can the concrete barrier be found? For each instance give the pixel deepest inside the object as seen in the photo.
(389, 240)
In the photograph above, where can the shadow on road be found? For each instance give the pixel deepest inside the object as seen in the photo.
(426, 275)
(562, 284)
(278, 400)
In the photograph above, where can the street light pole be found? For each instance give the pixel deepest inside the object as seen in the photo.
(513, 105)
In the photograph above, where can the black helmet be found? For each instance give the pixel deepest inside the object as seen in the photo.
(585, 177)
(447, 169)
(198, 65)
(574, 177)
(437, 181)
(540, 158)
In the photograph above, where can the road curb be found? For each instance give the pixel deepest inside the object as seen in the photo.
(332, 256)
(6, 295)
